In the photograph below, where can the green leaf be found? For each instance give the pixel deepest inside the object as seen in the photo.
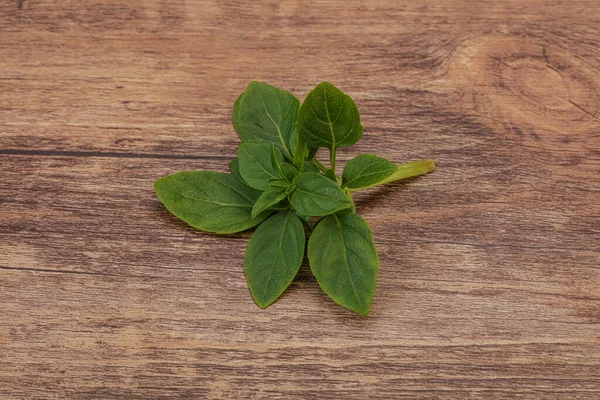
(343, 258)
(257, 164)
(305, 220)
(273, 257)
(279, 183)
(316, 195)
(289, 171)
(410, 170)
(302, 152)
(267, 199)
(329, 118)
(402, 171)
(366, 170)
(349, 195)
(331, 175)
(266, 114)
(309, 166)
(234, 166)
(293, 144)
(209, 201)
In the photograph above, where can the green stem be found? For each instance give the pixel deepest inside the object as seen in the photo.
(408, 170)
(319, 165)
(332, 159)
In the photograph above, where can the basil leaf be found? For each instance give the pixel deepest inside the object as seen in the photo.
(329, 118)
(267, 199)
(279, 183)
(293, 143)
(276, 157)
(300, 150)
(234, 166)
(257, 164)
(349, 195)
(343, 258)
(331, 175)
(266, 114)
(289, 171)
(309, 166)
(209, 201)
(316, 195)
(410, 170)
(273, 257)
(366, 170)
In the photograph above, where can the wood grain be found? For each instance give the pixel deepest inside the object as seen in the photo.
(490, 267)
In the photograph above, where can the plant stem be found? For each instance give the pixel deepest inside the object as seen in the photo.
(319, 165)
(408, 170)
(332, 159)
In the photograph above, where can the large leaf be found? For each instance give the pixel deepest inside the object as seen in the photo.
(266, 114)
(317, 195)
(267, 199)
(209, 201)
(366, 170)
(343, 258)
(329, 118)
(257, 165)
(273, 257)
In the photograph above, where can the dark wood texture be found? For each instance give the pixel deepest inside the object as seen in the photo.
(490, 267)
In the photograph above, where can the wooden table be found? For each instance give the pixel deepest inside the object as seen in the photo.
(490, 267)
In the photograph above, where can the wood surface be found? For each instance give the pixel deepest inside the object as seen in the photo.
(490, 267)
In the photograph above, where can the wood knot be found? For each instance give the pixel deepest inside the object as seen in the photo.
(525, 87)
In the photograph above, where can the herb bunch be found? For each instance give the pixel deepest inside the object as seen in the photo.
(277, 183)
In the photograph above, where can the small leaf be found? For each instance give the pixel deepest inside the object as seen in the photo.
(329, 118)
(349, 195)
(309, 166)
(366, 170)
(273, 257)
(293, 143)
(302, 152)
(209, 201)
(410, 170)
(316, 195)
(234, 166)
(267, 199)
(343, 258)
(289, 171)
(266, 114)
(279, 183)
(276, 157)
(256, 164)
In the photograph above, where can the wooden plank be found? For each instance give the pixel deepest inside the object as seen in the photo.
(102, 285)
(490, 267)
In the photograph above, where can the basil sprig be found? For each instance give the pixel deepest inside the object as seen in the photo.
(276, 182)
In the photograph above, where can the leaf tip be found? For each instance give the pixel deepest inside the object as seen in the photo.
(262, 303)
(364, 312)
